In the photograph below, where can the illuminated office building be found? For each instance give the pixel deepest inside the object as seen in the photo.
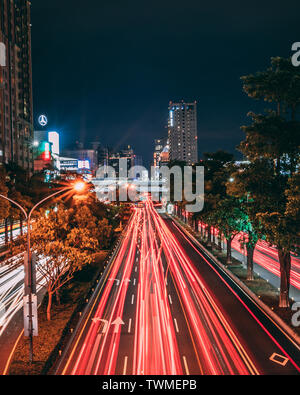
(183, 135)
(16, 118)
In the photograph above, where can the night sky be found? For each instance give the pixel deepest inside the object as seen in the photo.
(107, 69)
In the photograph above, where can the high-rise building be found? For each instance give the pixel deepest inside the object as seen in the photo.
(16, 118)
(160, 148)
(128, 157)
(183, 135)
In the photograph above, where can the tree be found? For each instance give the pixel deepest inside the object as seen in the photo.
(15, 213)
(251, 228)
(272, 145)
(16, 182)
(64, 246)
(279, 85)
(293, 198)
(228, 217)
(217, 167)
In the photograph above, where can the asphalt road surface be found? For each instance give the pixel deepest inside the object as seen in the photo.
(164, 307)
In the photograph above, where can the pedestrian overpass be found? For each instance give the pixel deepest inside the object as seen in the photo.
(107, 186)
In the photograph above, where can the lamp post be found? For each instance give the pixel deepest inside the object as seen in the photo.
(30, 306)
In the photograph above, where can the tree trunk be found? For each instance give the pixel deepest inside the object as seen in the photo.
(229, 257)
(285, 272)
(209, 236)
(214, 236)
(196, 225)
(6, 231)
(220, 241)
(50, 294)
(250, 253)
(57, 297)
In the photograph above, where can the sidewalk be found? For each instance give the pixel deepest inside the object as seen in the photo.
(259, 270)
(265, 274)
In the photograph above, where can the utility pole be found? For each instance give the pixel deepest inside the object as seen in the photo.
(30, 301)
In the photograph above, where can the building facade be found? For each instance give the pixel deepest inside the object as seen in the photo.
(46, 150)
(182, 130)
(87, 158)
(16, 113)
(161, 151)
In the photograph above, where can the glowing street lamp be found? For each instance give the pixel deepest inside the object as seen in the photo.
(30, 306)
(79, 186)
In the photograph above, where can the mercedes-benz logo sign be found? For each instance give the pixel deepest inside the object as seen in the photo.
(43, 120)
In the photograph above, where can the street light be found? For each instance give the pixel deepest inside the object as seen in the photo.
(29, 284)
(79, 186)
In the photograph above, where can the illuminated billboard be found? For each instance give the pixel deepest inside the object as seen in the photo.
(53, 138)
(84, 164)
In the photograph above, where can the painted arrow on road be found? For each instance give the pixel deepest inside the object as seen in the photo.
(118, 322)
(115, 279)
(95, 320)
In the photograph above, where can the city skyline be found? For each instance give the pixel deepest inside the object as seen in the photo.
(126, 70)
(190, 269)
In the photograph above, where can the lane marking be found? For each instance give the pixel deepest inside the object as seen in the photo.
(93, 355)
(111, 359)
(186, 366)
(136, 269)
(12, 353)
(129, 325)
(176, 325)
(244, 354)
(280, 359)
(170, 299)
(132, 299)
(87, 319)
(125, 366)
(188, 325)
(134, 281)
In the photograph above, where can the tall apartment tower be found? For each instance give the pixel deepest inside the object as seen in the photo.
(183, 135)
(16, 114)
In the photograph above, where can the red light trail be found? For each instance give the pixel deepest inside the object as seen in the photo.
(155, 314)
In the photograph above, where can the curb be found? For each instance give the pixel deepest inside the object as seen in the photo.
(283, 326)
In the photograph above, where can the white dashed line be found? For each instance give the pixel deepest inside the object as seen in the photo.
(176, 325)
(186, 366)
(125, 366)
(170, 299)
(132, 299)
(129, 325)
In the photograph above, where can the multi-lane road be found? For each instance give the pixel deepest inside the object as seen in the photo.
(164, 307)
